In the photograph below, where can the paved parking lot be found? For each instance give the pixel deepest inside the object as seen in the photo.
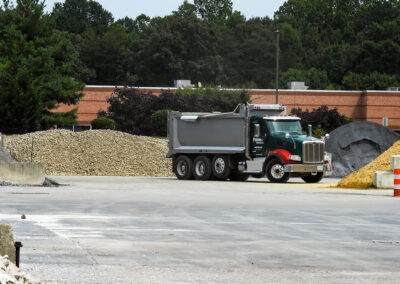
(160, 230)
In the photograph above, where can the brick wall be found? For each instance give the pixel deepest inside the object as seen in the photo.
(366, 105)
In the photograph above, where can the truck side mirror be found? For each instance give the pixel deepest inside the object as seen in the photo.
(257, 132)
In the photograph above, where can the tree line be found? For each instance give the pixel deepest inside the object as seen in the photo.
(330, 44)
(45, 58)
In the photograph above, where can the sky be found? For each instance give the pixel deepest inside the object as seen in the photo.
(153, 8)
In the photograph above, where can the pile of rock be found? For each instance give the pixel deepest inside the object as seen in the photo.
(92, 153)
(11, 274)
(356, 144)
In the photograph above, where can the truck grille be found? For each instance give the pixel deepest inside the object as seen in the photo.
(313, 152)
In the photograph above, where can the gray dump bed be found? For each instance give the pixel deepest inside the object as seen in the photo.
(216, 133)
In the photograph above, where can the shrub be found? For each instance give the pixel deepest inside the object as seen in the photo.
(322, 118)
(159, 121)
(103, 123)
(318, 133)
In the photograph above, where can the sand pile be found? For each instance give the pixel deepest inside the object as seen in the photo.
(363, 178)
(93, 153)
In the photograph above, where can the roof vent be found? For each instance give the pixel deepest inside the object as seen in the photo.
(297, 85)
(182, 83)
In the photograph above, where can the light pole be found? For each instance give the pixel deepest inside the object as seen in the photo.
(277, 67)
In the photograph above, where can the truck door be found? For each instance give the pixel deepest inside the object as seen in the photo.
(257, 138)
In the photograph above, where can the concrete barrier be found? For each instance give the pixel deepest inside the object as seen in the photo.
(23, 173)
(7, 242)
(383, 179)
(395, 162)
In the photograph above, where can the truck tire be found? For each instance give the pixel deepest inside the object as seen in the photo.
(275, 172)
(313, 178)
(183, 167)
(220, 166)
(238, 176)
(202, 168)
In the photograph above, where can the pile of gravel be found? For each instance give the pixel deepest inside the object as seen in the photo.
(11, 274)
(92, 153)
(356, 144)
(363, 178)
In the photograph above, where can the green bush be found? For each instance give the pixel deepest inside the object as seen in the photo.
(321, 118)
(103, 123)
(318, 133)
(159, 121)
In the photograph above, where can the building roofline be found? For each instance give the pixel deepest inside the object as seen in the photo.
(255, 90)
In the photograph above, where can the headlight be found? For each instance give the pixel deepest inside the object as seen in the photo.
(296, 158)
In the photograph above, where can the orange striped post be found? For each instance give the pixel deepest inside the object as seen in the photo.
(396, 182)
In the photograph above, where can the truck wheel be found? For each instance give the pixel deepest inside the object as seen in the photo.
(220, 166)
(313, 178)
(202, 168)
(182, 167)
(275, 172)
(238, 176)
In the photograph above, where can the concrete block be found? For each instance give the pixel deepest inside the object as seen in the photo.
(395, 162)
(7, 242)
(23, 173)
(383, 179)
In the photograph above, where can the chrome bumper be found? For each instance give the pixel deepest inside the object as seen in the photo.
(306, 168)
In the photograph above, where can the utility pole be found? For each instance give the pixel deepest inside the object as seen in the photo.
(277, 67)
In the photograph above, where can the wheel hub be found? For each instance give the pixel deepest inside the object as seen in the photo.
(200, 168)
(182, 168)
(277, 171)
(219, 165)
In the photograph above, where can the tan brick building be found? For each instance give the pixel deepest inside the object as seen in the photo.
(360, 105)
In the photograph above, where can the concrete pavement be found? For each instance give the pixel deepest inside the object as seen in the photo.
(161, 230)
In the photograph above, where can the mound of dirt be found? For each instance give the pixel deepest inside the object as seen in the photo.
(363, 178)
(356, 144)
(92, 153)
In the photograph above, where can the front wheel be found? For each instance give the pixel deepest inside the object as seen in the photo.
(313, 178)
(276, 173)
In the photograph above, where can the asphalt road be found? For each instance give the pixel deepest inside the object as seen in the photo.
(160, 230)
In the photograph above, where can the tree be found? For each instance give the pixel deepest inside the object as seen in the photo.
(372, 81)
(35, 68)
(110, 56)
(79, 16)
(176, 47)
(314, 78)
(248, 50)
(321, 118)
(344, 38)
(214, 11)
(128, 101)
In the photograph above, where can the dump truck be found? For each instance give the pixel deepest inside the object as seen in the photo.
(255, 140)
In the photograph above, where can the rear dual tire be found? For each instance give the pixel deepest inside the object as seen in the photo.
(182, 167)
(202, 168)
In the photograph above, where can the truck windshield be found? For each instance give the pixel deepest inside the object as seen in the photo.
(285, 126)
